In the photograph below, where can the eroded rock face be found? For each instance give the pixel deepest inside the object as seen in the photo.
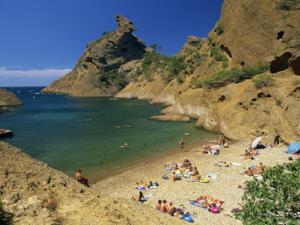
(8, 99)
(254, 30)
(248, 33)
(100, 70)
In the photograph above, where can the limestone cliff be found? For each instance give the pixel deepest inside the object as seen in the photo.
(243, 80)
(102, 69)
(8, 99)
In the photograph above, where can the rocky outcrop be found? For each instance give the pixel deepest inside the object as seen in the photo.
(171, 117)
(248, 34)
(102, 69)
(38, 194)
(8, 99)
(255, 31)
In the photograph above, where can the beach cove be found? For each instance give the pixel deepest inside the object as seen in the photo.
(89, 133)
(109, 201)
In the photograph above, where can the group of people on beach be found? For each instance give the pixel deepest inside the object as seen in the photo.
(185, 170)
(215, 149)
(168, 207)
(142, 185)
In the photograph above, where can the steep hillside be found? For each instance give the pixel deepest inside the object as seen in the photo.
(242, 80)
(102, 69)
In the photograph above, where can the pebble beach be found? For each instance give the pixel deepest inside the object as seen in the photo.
(227, 186)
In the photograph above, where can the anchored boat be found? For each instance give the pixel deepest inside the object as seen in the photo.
(4, 133)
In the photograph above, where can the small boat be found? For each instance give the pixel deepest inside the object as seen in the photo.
(4, 133)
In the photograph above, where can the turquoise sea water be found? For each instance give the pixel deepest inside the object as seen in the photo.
(70, 133)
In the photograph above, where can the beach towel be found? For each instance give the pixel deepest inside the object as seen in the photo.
(187, 217)
(140, 188)
(204, 180)
(195, 203)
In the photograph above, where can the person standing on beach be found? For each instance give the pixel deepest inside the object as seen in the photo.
(181, 144)
(222, 140)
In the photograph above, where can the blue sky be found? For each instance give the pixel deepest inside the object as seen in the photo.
(40, 39)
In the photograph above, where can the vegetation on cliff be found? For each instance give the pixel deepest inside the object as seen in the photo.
(287, 4)
(275, 200)
(263, 80)
(153, 62)
(5, 218)
(234, 75)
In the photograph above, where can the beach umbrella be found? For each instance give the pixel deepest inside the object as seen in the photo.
(294, 147)
(255, 142)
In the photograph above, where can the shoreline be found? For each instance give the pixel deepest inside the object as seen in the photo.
(114, 193)
(97, 177)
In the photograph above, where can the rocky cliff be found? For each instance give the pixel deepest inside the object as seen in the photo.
(103, 67)
(8, 99)
(242, 80)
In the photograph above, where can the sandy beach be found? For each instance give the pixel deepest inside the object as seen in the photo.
(224, 187)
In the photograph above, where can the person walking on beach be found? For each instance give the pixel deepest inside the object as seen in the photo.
(222, 140)
(181, 144)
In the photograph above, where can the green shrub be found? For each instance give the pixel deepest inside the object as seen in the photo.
(210, 40)
(257, 69)
(223, 78)
(5, 218)
(294, 42)
(225, 64)
(275, 199)
(287, 4)
(263, 80)
(220, 29)
(180, 79)
(217, 54)
(114, 76)
(172, 66)
(196, 83)
(234, 75)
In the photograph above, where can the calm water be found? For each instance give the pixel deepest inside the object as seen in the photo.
(69, 133)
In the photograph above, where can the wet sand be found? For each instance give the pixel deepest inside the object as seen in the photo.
(224, 187)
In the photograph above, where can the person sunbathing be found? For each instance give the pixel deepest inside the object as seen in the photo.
(169, 207)
(164, 206)
(173, 211)
(81, 179)
(152, 184)
(258, 170)
(174, 176)
(158, 205)
(195, 171)
(187, 164)
(250, 154)
(139, 198)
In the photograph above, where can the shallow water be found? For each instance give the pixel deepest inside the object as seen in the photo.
(68, 133)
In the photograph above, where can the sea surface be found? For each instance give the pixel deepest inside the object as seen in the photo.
(69, 133)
